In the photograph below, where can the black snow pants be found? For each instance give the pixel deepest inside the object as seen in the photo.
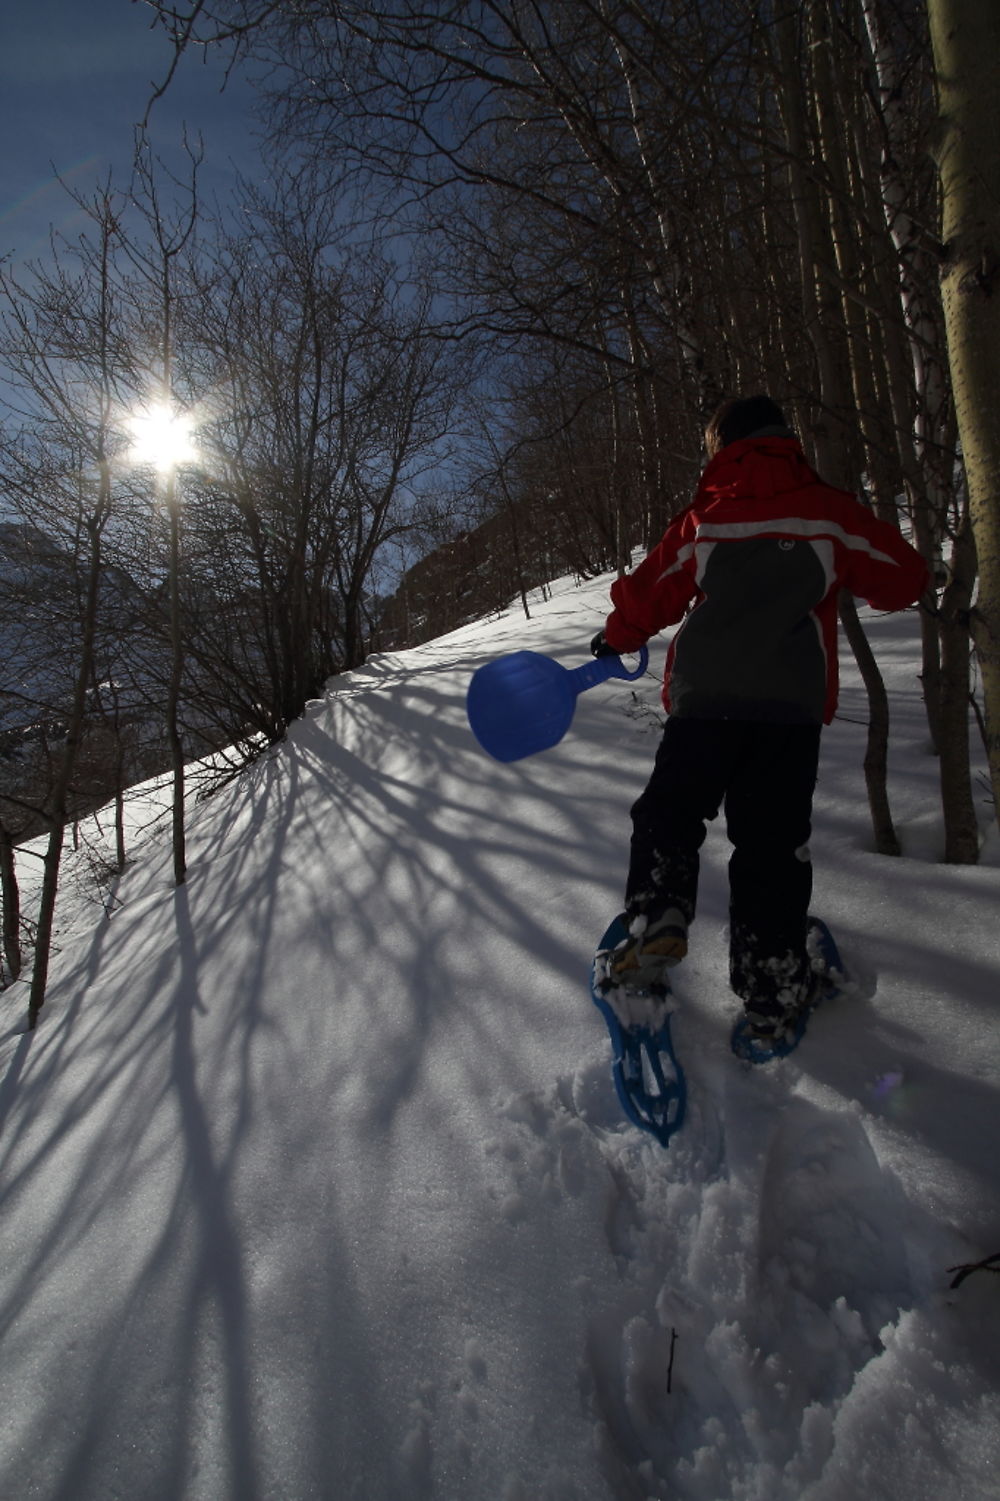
(766, 775)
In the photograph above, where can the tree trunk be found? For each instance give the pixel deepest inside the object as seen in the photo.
(58, 804)
(11, 896)
(823, 314)
(961, 826)
(46, 923)
(877, 747)
(174, 686)
(921, 432)
(966, 39)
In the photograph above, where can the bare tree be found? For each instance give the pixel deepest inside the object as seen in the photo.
(332, 401)
(64, 348)
(171, 221)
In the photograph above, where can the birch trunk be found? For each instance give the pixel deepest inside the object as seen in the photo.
(966, 39)
(946, 675)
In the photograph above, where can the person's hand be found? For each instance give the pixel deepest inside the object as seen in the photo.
(600, 648)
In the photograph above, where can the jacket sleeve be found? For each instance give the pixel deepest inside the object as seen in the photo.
(881, 567)
(657, 593)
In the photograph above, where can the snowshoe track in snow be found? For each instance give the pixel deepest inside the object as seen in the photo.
(690, 1393)
(830, 1219)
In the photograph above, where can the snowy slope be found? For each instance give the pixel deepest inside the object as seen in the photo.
(314, 1184)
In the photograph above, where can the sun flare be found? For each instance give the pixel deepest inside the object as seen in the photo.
(162, 437)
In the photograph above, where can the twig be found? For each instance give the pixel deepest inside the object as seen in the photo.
(988, 1264)
(670, 1363)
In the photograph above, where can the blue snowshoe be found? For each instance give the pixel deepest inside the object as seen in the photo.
(829, 981)
(648, 1078)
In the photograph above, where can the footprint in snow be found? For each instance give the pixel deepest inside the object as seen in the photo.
(830, 1220)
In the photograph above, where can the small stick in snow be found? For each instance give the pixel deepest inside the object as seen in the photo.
(670, 1364)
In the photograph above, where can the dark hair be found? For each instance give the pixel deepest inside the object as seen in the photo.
(740, 418)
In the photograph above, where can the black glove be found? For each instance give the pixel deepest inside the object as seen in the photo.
(600, 648)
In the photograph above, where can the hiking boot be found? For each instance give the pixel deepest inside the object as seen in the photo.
(770, 1021)
(653, 946)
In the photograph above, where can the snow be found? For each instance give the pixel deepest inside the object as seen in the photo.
(314, 1184)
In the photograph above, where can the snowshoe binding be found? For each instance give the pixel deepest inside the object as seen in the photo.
(760, 1036)
(636, 1002)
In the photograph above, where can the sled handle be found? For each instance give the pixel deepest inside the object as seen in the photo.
(602, 668)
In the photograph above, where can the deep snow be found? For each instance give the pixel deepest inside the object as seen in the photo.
(314, 1184)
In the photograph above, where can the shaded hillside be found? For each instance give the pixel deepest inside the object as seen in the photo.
(483, 569)
(123, 738)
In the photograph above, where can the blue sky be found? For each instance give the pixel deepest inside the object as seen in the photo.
(75, 78)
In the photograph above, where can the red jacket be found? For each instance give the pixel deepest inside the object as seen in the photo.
(756, 563)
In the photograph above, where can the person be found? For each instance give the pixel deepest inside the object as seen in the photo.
(753, 569)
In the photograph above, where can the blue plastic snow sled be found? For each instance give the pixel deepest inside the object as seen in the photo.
(648, 1079)
(524, 703)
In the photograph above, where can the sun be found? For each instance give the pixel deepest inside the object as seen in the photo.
(162, 437)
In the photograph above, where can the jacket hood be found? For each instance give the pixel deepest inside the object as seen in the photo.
(757, 469)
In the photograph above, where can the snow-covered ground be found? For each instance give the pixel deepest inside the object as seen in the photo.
(314, 1184)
